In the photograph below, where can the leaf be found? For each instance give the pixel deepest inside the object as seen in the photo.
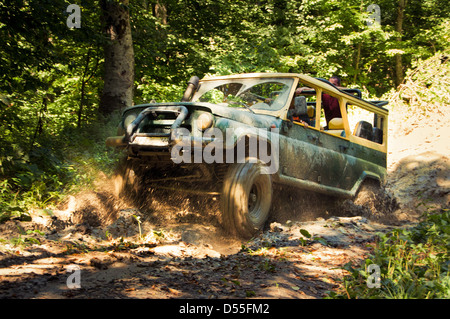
(305, 233)
(236, 282)
(295, 288)
(321, 240)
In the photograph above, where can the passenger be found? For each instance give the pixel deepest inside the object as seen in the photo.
(330, 104)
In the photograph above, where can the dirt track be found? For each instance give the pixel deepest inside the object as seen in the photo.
(176, 248)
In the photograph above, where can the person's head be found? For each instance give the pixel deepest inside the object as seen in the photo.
(335, 80)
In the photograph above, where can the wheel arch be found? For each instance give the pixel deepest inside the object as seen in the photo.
(245, 139)
(366, 177)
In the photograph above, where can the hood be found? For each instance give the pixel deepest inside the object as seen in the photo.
(241, 115)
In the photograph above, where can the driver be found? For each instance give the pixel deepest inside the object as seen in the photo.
(330, 104)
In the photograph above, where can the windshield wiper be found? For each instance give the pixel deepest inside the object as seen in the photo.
(243, 104)
(248, 108)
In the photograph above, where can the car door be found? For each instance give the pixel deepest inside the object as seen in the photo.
(312, 155)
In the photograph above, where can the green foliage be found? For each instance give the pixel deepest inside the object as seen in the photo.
(414, 263)
(51, 76)
(48, 87)
(425, 89)
(25, 238)
(319, 37)
(53, 167)
(309, 238)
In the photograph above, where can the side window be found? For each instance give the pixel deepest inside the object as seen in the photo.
(331, 117)
(365, 124)
(362, 123)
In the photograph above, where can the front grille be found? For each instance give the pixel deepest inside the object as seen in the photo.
(156, 121)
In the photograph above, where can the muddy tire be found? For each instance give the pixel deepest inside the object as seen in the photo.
(246, 199)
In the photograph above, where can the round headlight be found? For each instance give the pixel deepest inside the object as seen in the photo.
(204, 121)
(128, 119)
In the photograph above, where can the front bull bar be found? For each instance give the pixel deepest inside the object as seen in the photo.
(122, 141)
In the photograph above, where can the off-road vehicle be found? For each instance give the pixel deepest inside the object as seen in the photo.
(234, 136)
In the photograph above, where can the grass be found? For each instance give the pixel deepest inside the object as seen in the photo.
(54, 167)
(413, 264)
(25, 238)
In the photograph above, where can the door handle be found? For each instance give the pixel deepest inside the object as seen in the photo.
(343, 148)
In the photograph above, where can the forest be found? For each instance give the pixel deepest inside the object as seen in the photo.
(56, 79)
(63, 84)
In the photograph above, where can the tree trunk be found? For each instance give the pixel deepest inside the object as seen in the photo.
(119, 57)
(357, 60)
(160, 12)
(399, 28)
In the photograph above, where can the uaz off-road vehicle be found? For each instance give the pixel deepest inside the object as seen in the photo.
(237, 135)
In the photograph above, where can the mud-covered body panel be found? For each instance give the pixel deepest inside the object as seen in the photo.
(305, 156)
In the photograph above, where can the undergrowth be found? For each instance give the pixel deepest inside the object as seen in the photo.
(54, 166)
(413, 263)
(424, 96)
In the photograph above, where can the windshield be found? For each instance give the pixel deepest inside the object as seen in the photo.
(257, 94)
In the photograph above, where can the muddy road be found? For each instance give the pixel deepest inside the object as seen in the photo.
(178, 251)
(96, 245)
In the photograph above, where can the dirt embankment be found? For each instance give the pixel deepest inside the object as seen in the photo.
(174, 247)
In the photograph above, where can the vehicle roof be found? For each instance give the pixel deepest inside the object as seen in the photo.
(307, 80)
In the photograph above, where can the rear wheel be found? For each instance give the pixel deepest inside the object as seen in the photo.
(246, 198)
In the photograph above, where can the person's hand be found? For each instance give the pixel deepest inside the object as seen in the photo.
(299, 91)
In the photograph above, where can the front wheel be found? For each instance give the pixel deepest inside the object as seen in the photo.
(246, 198)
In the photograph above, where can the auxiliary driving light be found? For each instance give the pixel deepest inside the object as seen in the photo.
(204, 121)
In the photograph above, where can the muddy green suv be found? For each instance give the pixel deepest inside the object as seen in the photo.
(235, 136)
